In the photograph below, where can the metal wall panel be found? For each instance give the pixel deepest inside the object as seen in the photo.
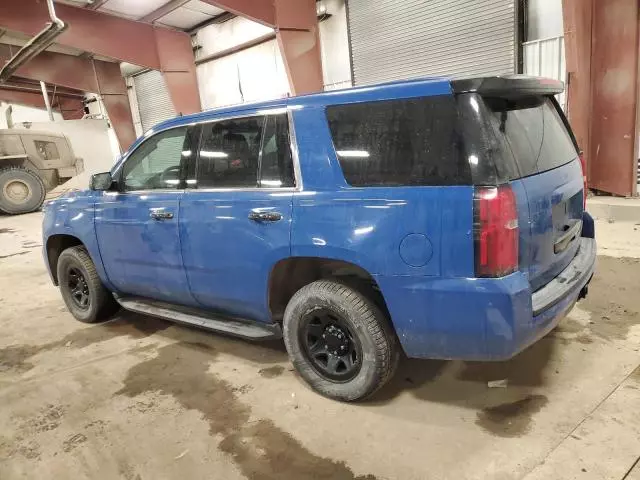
(154, 103)
(392, 39)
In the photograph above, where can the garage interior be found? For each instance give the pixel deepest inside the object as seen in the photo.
(141, 398)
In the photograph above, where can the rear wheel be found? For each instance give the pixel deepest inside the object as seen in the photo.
(21, 190)
(82, 291)
(339, 341)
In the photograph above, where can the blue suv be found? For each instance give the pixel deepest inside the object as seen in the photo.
(439, 218)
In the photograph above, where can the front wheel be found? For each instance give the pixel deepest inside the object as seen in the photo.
(339, 341)
(82, 291)
(21, 190)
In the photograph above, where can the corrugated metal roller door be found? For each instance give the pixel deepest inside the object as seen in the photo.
(154, 103)
(392, 39)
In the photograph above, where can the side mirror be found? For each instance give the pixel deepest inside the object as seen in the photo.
(101, 181)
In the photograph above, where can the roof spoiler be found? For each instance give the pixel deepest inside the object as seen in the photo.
(508, 86)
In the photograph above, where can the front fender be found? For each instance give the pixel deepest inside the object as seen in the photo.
(73, 215)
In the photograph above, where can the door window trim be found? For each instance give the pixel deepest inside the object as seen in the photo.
(183, 162)
(292, 145)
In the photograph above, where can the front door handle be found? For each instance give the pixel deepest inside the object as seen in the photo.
(160, 215)
(265, 216)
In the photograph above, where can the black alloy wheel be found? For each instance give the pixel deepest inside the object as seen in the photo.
(79, 288)
(330, 345)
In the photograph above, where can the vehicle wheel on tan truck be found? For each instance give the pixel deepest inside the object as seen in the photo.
(21, 190)
(340, 342)
(82, 291)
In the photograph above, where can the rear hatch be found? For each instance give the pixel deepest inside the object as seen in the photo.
(522, 138)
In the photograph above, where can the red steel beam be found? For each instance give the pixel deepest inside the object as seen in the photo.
(299, 47)
(31, 99)
(577, 17)
(614, 75)
(126, 40)
(296, 25)
(70, 108)
(261, 11)
(601, 42)
(85, 75)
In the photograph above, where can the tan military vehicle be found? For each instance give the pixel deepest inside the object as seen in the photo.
(31, 163)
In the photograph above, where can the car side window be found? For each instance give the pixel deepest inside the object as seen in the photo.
(276, 163)
(402, 142)
(156, 163)
(230, 152)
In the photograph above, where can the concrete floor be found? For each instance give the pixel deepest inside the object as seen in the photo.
(139, 398)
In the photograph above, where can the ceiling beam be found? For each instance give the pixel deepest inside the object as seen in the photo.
(261, 11)
(163, 10)
(89, 30)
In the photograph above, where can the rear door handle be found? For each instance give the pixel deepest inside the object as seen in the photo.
(160, 215)
(262, 217)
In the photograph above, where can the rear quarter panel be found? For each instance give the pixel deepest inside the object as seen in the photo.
(369, 226)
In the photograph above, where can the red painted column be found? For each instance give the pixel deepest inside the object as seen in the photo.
(577, 15)
(614, 76)
(178, 70)
(113, 91)
(299, 42)
(601, 39)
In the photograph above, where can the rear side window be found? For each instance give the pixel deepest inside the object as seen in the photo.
(533, 130)
(229, 153)
(411, 141)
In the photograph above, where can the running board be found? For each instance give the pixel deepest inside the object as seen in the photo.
(202, 318)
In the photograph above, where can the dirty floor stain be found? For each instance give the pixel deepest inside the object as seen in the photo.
(613, 304)
(16, 357)
(259, 448)
(13, 254)
(511, 419)
(271, 372)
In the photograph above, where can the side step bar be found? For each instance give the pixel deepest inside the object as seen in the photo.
(202, 318)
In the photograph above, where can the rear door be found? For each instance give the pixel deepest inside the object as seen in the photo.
(235, 217)
(547, 181)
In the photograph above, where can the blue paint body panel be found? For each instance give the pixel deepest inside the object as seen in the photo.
(416, 242)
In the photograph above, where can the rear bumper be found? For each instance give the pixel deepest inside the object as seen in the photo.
(483, 318)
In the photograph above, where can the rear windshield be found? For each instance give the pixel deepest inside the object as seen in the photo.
(413, 141)
(532, 129)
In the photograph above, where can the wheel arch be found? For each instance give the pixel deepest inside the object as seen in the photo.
(290, 274)
(55, 245)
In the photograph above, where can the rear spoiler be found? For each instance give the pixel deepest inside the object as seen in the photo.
(508, 86)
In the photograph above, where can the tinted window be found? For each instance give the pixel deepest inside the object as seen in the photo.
(156, 163)
(399, 142)
(276, 165)
(533, 130)
(229, 152)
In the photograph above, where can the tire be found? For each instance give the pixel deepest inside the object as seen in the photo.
(350, 315)
(21, 190)
(100, 304)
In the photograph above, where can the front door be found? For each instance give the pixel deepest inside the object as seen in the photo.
(235, 216)
(137, 225)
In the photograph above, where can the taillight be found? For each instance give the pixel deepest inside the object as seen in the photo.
(584, 181)
(495, 231)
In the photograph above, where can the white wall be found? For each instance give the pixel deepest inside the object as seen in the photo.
(334, 46)
(544, 19)
(23, 113)
(258, 73)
